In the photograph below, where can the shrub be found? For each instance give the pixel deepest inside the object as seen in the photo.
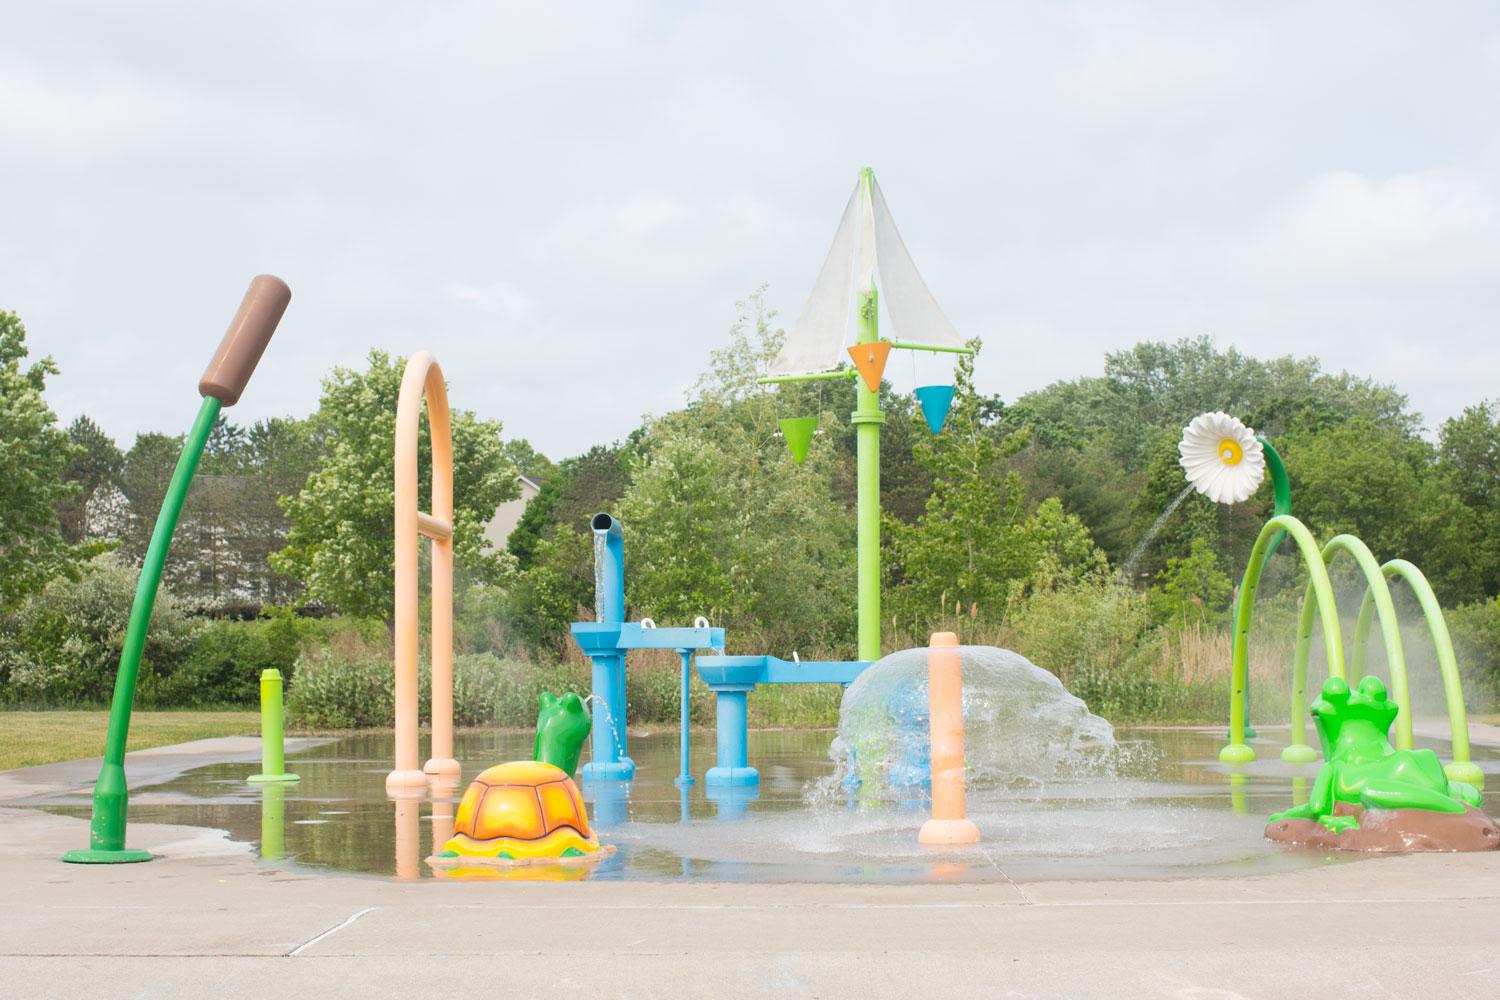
(333, 691)
(654, 691)
(344, 690)
(1475, 629)
(224, 664)
(62, 646)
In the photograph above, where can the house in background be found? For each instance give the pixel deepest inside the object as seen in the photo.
(497, 530)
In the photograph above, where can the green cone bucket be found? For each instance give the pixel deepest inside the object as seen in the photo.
(798, 434)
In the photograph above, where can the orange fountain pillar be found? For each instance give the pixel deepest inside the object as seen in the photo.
(945, 701)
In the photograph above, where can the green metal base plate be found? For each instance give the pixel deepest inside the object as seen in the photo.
(273, 777)
(92, 856)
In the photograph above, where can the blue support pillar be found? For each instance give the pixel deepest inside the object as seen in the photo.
(685, 776)
(733, 768)
(611, 758)
(732, 802)
(611, 800)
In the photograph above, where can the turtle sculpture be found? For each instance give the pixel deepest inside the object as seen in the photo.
(530, 811)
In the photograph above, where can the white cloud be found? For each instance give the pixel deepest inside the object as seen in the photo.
(500, 297)
(72, 118)
(1437, 226)
(525, 189)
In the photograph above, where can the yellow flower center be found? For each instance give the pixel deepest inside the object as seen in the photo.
(1230, 451)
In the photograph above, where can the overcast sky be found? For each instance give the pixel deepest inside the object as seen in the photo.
(564, 201)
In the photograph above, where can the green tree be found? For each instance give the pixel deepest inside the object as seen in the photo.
(95, 466)
(148, 470)
(685, 520)
(61, 646)
(1090, 481)
(573, 492)
(721, 522)
(34, 452)
(975, 539)
(340, 544)
(1468, 470)
(1193, 589)
(1158, 386)
(527, 460)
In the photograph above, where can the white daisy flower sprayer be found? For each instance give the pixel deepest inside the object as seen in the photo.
(1222, 458)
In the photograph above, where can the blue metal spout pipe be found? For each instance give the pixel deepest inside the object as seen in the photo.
(609, 569)
(610, 757)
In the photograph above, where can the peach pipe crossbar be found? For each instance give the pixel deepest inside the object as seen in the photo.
(423, 377)
(945, 704)
(431, 527)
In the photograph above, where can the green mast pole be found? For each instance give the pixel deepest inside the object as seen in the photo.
(221, 385)
(867, 419)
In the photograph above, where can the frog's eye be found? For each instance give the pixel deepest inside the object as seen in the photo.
(1336, 689)
(1372, 688)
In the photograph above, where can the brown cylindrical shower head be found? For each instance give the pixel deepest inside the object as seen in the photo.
(245, 341)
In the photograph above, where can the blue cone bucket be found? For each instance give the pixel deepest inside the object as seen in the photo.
(934, 401)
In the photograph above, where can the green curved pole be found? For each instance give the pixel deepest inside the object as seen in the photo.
(1462, 768)
(107, 829)
(222, 384)
(1378, 597)
(1238, 751)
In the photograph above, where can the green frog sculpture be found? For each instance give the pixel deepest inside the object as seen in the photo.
(561, 727)
(1363, 772)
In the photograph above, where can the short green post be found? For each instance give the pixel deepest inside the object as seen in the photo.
(272, 730)
(272, 821)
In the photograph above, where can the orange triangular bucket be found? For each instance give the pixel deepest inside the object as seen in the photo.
(797, 432)
(870, 360)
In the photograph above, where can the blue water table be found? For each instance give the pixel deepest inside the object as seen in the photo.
(732, 678)
(607, 640)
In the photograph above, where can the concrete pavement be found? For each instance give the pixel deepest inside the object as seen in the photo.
(208, 921)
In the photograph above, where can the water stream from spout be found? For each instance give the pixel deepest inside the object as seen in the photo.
(1127, 569)
(1126, 575)
(614, 732)
(598, 576)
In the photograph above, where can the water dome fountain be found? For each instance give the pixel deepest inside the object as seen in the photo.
(1021, 724)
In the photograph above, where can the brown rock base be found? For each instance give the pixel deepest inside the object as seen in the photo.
(1393, 831)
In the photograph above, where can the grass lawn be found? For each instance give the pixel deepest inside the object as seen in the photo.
(28, 738)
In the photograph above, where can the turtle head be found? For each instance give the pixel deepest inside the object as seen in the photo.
(561, 727)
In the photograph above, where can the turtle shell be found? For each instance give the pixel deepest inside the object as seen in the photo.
(524, 808)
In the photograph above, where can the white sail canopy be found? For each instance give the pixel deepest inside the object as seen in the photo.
(816, 341)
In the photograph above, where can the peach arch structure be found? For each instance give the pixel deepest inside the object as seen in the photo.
(422, 378)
